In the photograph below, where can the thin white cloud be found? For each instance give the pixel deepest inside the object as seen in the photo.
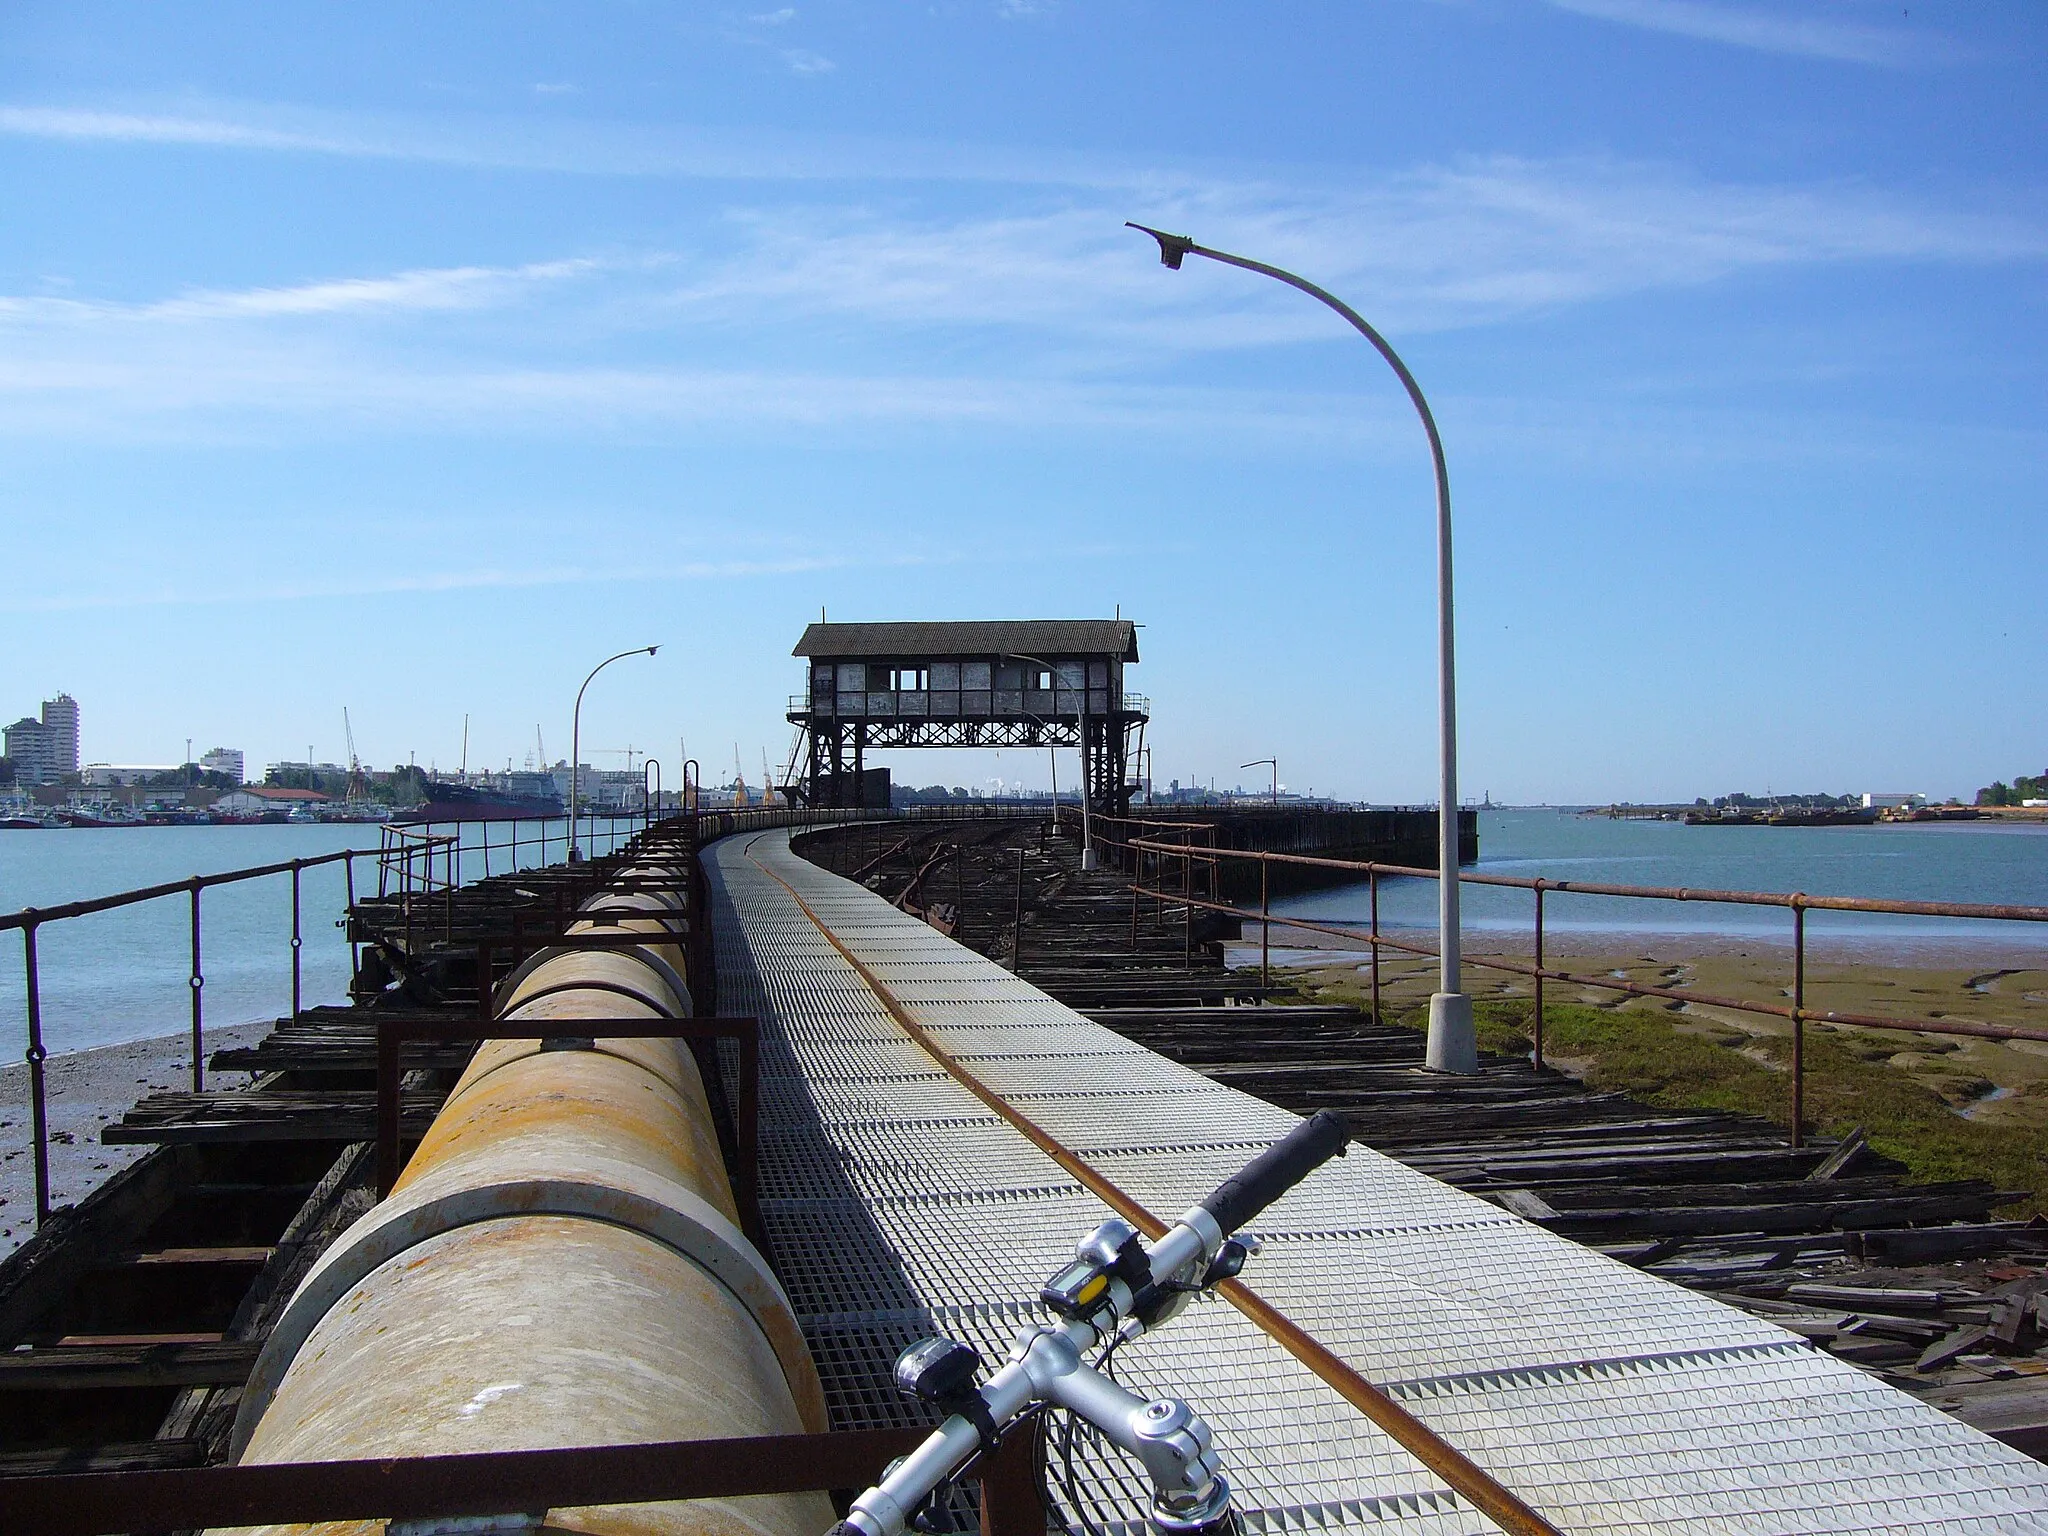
(555, 88)
(428, 288)
(1052, 302)
(581, 148)
(161, 128)
(803, 61)
(776, 18)
(392, 583)
(423, 289)
(1791, 28)
(1473, 243)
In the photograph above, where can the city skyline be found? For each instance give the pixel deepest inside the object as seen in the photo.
(411, 364)
(915, 770)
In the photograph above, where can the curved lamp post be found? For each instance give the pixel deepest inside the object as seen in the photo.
(1081, 725)
(576, 740)
(1274, 762)
(1453, 1047)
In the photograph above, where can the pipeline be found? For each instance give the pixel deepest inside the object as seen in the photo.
(560, 1263)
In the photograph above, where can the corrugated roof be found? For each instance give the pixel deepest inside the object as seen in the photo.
(977, 638)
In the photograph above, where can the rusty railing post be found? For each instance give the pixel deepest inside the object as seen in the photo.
(1536, 1031)
(1012, 1489)
(1798, 1019)
(297, 942)
(355, 953)
(38, 1104)
(1265, 932)
(747, 1126)
(198, 987)
(1017, 921)
(1373, 886)
(1187, 900)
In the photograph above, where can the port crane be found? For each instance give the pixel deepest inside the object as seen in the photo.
(358, 782)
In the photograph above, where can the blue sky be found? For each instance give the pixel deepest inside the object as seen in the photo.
(412, 359)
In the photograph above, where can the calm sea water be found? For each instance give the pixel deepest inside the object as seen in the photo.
(2004, 863)
(125, 974)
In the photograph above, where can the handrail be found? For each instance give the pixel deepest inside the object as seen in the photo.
(406, 850)
(1799, 903)
(29, 917)
(1791, 899)
(30, 921)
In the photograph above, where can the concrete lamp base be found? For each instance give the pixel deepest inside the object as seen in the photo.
(1088, 860)
(1453, 1044)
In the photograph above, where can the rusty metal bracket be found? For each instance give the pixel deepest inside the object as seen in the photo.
(427, 1487)
(394, 1034)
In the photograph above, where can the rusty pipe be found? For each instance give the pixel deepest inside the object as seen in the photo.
(559, 1265)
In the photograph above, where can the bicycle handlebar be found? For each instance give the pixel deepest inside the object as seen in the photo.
(1115, 1289)
(1267, 1177)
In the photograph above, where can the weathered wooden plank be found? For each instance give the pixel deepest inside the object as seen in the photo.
(1786, 1217)
(80, 1366)
(260, 1115)
(157, 1257)
(1524, 1202)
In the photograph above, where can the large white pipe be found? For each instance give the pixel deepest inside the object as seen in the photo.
(559, 1265)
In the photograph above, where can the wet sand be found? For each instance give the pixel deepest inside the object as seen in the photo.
(86, 1091)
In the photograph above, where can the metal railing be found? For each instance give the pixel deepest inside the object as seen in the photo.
(1149, 858)
(30, 921)
(470, 1491)
(403, 845)
(421, 866)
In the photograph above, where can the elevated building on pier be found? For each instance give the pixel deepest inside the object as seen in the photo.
(1006, 683)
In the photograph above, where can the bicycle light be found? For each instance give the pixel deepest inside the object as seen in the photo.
(939, 1371)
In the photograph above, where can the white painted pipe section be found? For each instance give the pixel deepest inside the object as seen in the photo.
(559, 1265)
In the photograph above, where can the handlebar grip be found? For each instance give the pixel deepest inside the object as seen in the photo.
(1267, 1177)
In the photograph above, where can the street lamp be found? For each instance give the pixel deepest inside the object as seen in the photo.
(576, 740)
(1255, 762)
(1081, 725)
(1453, 1047)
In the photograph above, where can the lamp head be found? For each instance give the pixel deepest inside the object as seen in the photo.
(652, 649)
(1172, 248)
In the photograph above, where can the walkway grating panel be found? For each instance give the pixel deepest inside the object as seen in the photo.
(898, 1205)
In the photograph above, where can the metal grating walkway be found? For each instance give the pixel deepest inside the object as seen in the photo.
(898, 1205)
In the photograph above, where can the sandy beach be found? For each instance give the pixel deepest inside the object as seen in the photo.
(86, 1091)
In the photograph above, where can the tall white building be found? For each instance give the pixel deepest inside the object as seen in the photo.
(227, 760)
(60, 715)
